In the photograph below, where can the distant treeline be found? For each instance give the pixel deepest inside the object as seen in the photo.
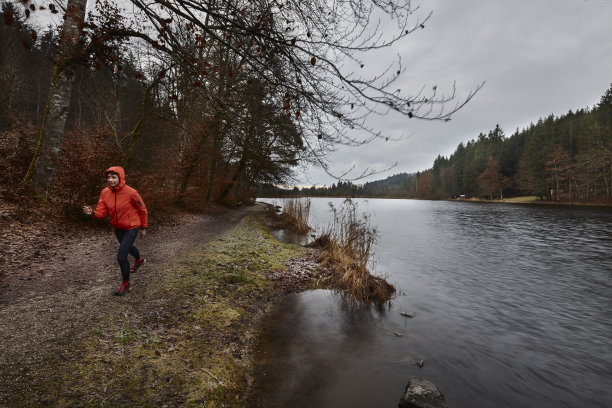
(566, 158)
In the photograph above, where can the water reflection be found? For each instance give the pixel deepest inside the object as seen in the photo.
(513, 308)
(291, 236)
(299, 352)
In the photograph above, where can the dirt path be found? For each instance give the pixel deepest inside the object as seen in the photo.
(56, 284)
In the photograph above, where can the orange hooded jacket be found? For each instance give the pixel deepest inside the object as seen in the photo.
(122, 204)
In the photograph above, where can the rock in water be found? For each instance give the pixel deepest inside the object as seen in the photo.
(421, 393)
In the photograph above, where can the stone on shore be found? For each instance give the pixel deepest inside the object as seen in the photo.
(421, 393)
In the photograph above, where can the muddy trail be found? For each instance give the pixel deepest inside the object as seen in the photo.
(56, 283)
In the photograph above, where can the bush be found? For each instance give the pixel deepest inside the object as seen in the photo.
(348, 247)
(16, 152)
(79, 175)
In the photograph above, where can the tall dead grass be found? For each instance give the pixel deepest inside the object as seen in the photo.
(296, 212)
(347, 245)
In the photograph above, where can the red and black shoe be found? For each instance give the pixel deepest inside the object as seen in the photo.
(124, 288)
(137, 264)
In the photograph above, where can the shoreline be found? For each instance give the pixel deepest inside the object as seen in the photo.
(536, 202)
(184, 338)
(471, 200)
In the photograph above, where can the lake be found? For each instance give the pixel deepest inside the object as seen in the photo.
(512, 304)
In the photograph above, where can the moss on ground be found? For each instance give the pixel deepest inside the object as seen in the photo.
(187, 342)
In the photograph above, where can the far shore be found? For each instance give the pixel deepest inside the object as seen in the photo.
(511, 200)
(535, 200)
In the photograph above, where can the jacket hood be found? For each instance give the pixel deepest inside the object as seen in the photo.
(120, 172)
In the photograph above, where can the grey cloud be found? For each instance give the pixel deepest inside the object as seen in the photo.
(538, 58)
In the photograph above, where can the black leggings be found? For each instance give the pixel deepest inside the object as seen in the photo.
(126, 240)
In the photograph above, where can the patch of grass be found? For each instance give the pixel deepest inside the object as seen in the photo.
(526, 199)
(127, 336)
(186, 342)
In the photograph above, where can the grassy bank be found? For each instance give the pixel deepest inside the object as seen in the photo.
(526, 199)
(347, 245)
(185, 343)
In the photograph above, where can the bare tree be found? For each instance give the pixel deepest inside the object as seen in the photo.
(310, 54)
(559, 170)
(491, 181)
(42, 166)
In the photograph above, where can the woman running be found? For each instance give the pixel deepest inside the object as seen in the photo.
(128, 215)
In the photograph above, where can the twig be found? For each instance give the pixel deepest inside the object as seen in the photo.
(213, 376)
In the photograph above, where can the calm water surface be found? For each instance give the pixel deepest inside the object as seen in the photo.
(513, 308)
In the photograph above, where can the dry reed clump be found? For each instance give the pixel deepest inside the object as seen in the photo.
(296, 212)
(348, 247)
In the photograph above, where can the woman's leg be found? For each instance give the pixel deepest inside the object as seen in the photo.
(133, 250)
(126, 246)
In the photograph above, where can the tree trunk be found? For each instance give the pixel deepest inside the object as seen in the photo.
(212, 172)
(190, 163)
(136, 131)
(234, 180)
(51, 136)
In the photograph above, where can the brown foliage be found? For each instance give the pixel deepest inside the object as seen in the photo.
(79, 177)
(424, 184)
(16, 152)
(491, 181)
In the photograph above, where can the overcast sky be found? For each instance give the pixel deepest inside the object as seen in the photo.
(538, 57)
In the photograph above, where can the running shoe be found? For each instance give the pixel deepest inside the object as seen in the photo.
(123, 289)
(137, 264)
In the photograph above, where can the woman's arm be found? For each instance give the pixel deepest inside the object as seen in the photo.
(141, 209)
(101, 208)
